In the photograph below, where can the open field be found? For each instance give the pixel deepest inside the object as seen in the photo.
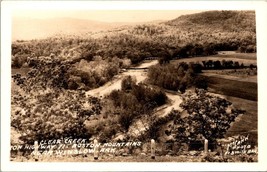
(252, 79)
(228, 87)
(247, 123)
(247, 75)
(245, 58)
(231, 54)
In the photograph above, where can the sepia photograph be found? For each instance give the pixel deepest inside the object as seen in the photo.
(133, 85)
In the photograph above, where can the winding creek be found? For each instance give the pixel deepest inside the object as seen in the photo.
(140, 74)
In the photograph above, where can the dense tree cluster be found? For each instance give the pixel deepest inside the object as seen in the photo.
(134, 47)
(45, 74)
(174, 76)
(52, 115)
(95, 73)
(68, 74)
(207, 117)
(135, 100)
(43, 107)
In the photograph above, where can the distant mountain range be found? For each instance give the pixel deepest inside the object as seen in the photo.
(25, 29)
(219, 21)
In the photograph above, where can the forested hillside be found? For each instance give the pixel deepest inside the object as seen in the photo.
(189, 35)
(186, 36)
(227, 30)
(217, 21)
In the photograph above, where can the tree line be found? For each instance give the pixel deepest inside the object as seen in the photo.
(223, 64)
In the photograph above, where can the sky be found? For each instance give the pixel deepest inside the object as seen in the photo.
(105, 16)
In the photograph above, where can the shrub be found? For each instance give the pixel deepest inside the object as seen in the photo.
(127, 83)
(201, 82)
(126, 119)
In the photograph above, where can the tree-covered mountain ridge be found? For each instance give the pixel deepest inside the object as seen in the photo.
(235, 29)
(231, 21)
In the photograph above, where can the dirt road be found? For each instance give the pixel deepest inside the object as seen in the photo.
(175, 101)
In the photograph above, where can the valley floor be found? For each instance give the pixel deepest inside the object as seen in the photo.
(245, 124)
